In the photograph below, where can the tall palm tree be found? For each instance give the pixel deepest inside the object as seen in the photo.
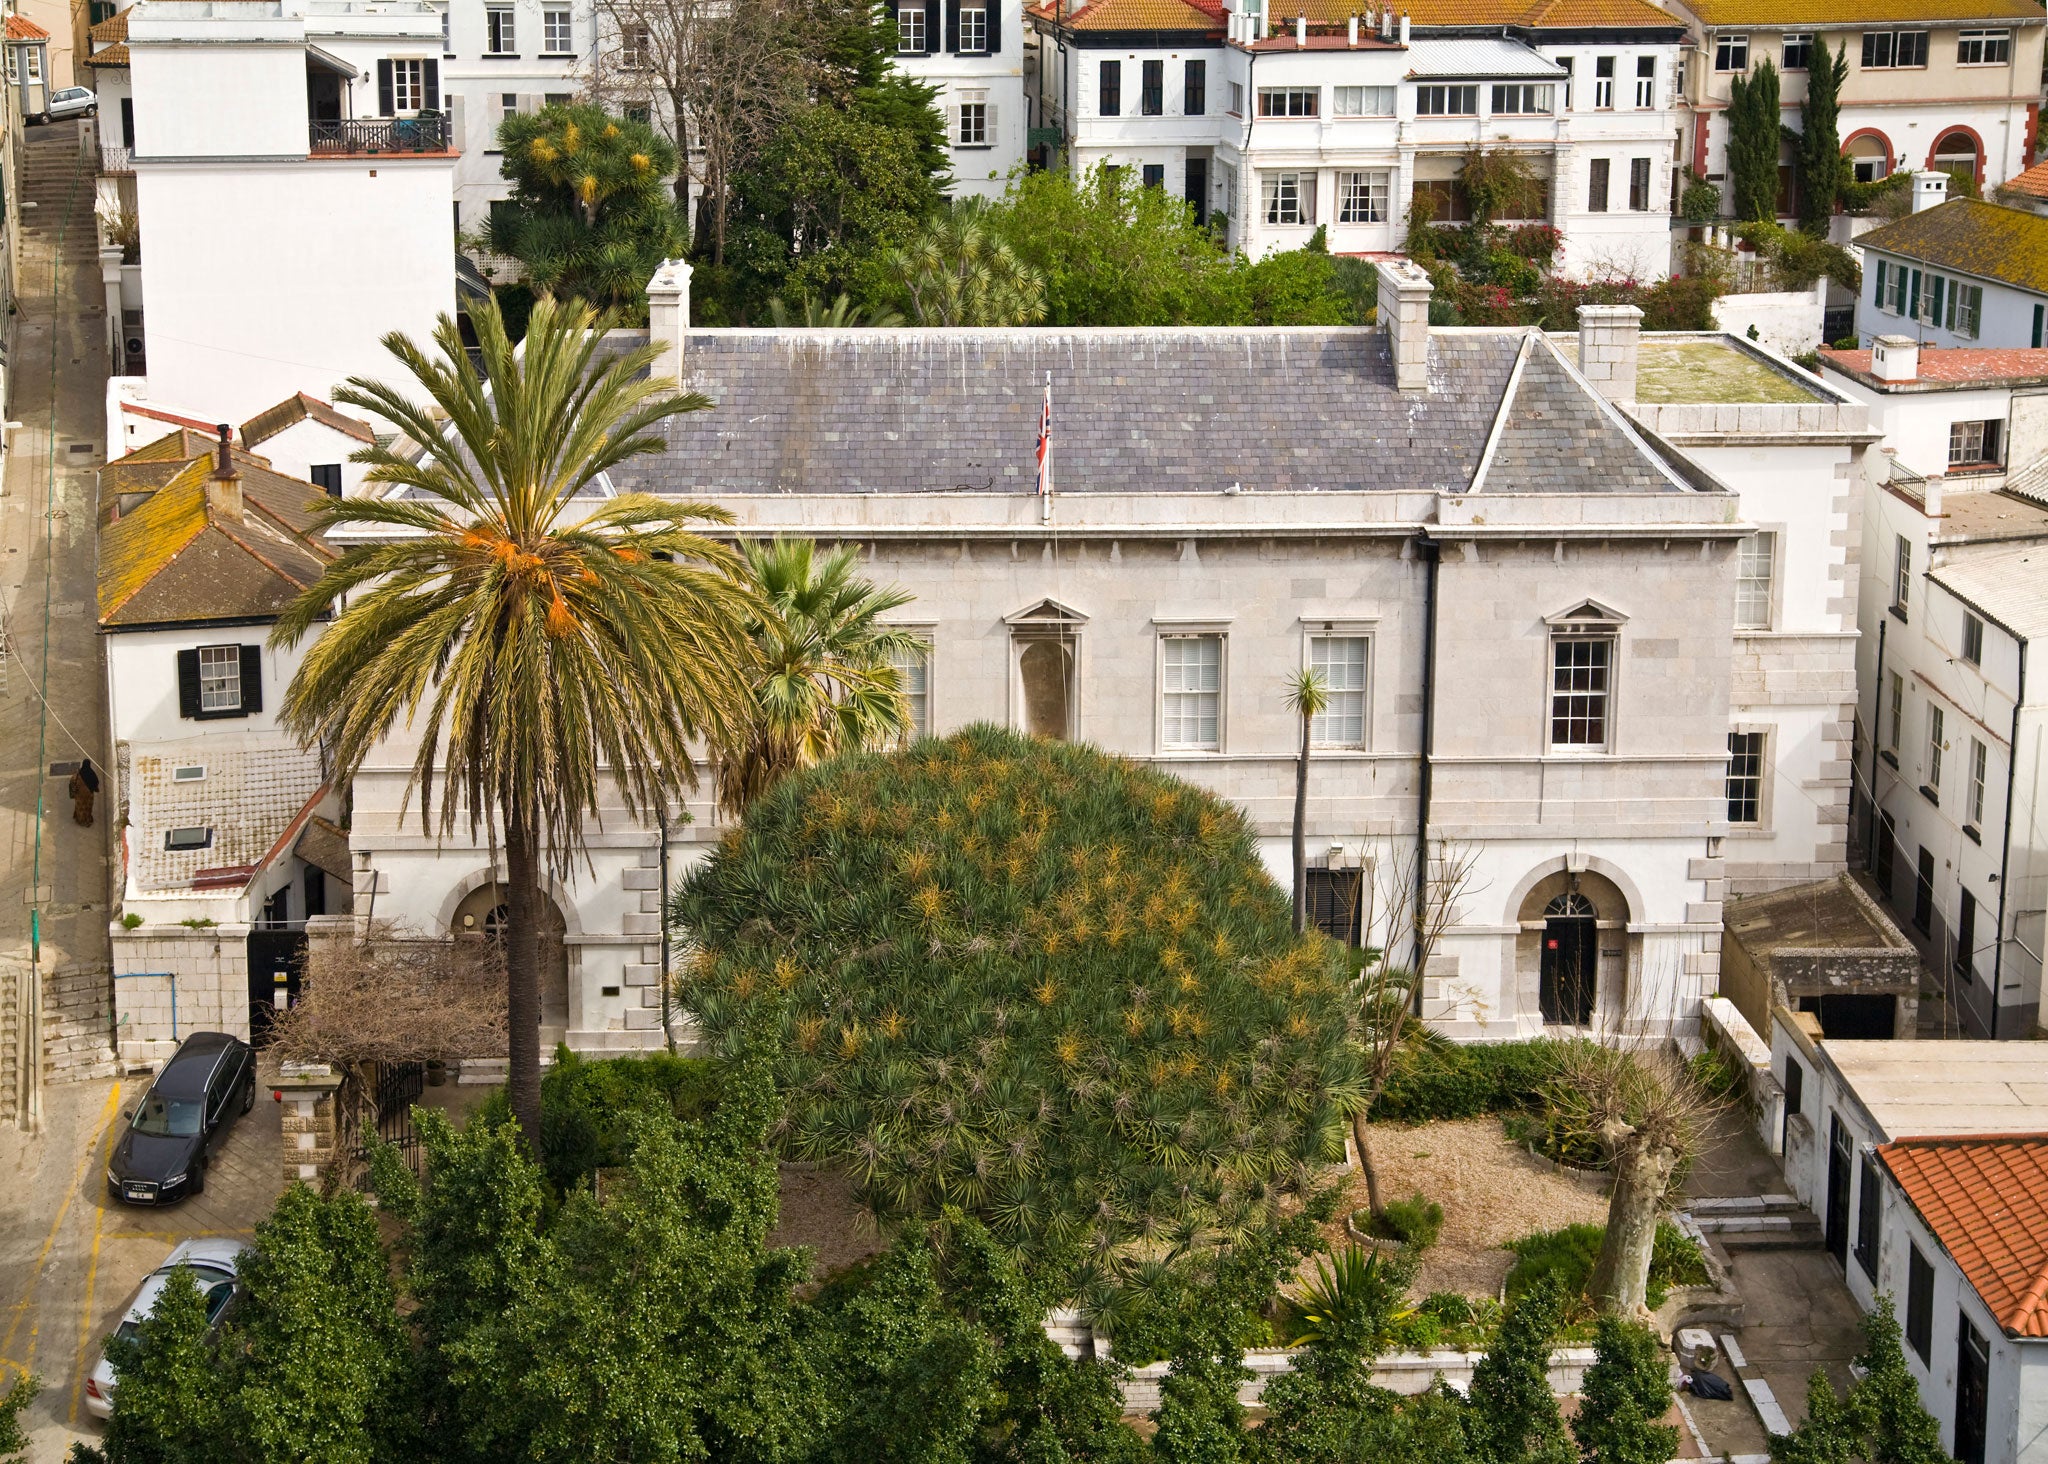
(549, 648)
(825, 680)
(1308, 697)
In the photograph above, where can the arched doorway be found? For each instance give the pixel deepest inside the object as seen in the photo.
(1870, 156)
(1570, 973)
(1573, 954)
(1957, 154)
(482, 915)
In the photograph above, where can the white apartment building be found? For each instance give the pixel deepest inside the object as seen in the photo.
(1286, 124)
(1956, 273)
(1955, 558)
(1945, 84)
(502, 58)
(246, 122)
(973, 51)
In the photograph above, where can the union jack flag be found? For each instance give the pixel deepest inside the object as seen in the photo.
(1045, 443)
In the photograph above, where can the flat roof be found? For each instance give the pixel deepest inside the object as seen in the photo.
(1829, 914)
(1686, 368)
(1987, 516)
(1968, 368)
(1918, 1089)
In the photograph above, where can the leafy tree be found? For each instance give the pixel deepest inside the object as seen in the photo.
(1626, 1393)
(825, 680)
(1754, 131)
(1294, 287)
(173, 1406)
(1827, 1435)
(1817, 156)
(1881, 1421)
(958, 272)
(591, 213)
(13, 1439)
(1512, 1416)
(552, 653)
(1049, 986)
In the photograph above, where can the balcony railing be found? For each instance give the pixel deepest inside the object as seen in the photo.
(115, 161)
(375, 136)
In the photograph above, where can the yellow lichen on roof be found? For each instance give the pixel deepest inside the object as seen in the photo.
(1777, 14)
(1974, 238)
(135, 547)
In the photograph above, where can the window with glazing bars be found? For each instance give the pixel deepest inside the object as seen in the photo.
(1192, 689)
(1342, 661)
(1581, 673)
(1745, 777)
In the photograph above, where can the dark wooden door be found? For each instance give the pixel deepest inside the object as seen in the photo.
(1571, 949)
(1838, 1191)
(1973, 1390)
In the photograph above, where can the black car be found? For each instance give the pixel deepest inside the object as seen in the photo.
(182, 1119)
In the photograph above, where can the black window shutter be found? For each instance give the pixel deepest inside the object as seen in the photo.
(188, 683)
(953, 25)
(995, 26)
(430, 70)
(385, 108)
(252, 679)
(934, 19)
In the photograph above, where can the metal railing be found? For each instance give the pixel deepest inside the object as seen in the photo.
(373, 136)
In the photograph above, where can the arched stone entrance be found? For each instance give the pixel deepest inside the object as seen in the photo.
(481, 915)
(1572, 952)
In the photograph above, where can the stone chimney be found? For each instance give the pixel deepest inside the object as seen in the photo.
(1404, 311)
(1404, 27)
(1895, 358)
(1608, 337)
(668, 314)
(1930, 190)
(1351, 38)
(224, 488)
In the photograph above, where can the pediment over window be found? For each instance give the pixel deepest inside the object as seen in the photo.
(1587, 615)
(1047, 614)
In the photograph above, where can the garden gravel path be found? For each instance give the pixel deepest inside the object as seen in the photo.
(1492, 1191)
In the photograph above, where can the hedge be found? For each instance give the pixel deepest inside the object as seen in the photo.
(1433, 1079)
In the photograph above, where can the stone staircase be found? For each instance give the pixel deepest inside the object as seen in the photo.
(78, 1024)
(51, 159)
(1758, 1222)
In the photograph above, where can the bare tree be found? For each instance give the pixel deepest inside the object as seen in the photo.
(716, 75)
(388, 999)
(1414, 907)
(1650, 1117)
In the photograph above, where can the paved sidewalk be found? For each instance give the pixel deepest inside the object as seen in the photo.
(71, 1258)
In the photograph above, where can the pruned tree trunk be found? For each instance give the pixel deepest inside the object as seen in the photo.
(1301, 831)
(523, 897)
(1359, 1127)
(1620, 1282)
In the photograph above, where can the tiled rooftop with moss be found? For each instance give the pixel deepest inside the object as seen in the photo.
(1687, 368)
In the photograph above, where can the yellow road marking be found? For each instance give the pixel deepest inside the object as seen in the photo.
(92, 1274)
(42, 1257)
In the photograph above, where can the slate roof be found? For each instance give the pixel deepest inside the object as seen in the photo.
(1982, 239)
(174, 559)
(1985, 1198)
(1777, 14)
(1158, 410)
(296, 409)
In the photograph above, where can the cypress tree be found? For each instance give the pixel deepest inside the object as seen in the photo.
(1819, 152)
(1753, 132)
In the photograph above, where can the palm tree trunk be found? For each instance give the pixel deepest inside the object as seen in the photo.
(1301, 831)
(523, 897)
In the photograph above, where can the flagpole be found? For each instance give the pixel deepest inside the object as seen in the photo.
(1045, 496)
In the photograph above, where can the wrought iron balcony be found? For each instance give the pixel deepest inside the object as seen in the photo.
(377, 136)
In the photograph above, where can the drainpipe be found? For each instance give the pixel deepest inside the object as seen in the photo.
(661, 822)
(1884, 623)
(1431, 560)
(2012, 767)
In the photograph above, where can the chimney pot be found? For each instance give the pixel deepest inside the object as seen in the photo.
(668, 314)
(224, 487)
(224, 452)
(1353, 38)
(1404, 27)
(1895, 358)
(1930, 190)
(1300, 32)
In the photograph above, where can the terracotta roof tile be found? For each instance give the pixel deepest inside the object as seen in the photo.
(1780, 13)
(1986, 1200)
(21, 28)
(1574, 14)
(112, 56)
(111, 30)
(1968, 367)
(1144, 15)
(1982, 239)
(2033, 183)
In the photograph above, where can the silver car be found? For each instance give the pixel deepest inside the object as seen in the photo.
(71, 101)
(214, 1264)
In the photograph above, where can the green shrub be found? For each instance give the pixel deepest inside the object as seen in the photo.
(1700, 203)
(1625, 1395)
(1435, 1079)
(1415, 1222)
(1052, 987)
(1846, 343)
(583, 1106)
(1718, 1074)
(130, 920)
(1568, 1255)
(1446, 1319)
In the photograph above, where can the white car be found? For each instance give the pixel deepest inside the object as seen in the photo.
(213, 1263)
(71, 101)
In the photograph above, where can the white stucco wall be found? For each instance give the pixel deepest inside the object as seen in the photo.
(296, 449)
(1787, 321)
